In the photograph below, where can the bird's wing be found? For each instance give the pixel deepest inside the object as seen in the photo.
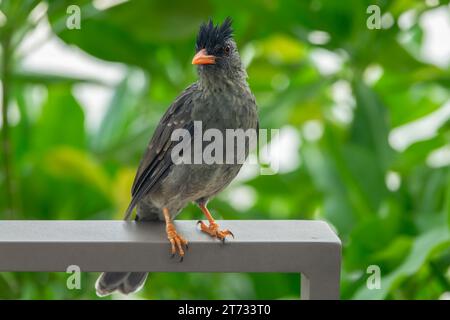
(157, 161)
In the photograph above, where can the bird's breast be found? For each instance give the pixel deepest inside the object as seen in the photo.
(226, 109)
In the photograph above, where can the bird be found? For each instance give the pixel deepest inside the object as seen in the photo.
(220, 99)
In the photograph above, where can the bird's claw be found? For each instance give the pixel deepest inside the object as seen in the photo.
(213, 230)
(177, 243)
(229, 233)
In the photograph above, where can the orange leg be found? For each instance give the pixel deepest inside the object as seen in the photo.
(213, 228)
(177, 242)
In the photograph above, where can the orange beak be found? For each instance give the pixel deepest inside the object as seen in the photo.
(202, 58)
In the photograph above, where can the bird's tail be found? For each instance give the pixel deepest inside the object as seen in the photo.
(124, 282)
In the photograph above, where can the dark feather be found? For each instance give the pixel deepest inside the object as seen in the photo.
(125, 282)
(157, 161)
(210, 37)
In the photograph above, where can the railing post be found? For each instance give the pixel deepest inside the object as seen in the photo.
(323, 281)
(319, 288)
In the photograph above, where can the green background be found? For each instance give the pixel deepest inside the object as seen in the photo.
(57, 168)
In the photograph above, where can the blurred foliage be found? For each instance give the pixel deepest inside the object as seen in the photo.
(59, 169)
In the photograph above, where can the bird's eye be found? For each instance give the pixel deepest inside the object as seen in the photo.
(227, 50)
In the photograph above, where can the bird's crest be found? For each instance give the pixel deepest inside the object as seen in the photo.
(211, 36)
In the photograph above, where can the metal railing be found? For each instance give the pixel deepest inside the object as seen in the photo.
(291, 246)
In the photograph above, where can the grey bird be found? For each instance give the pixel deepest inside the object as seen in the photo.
(220, 99)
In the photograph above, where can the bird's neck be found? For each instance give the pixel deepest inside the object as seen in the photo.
(218, 80)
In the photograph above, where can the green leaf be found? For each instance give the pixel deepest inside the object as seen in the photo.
(70, 163)
(61, 121)
(130, 31)
(370, 127)
(423, 247)
(417, 153)
(414, 102)
(26, 77)
(120, 113)
(369, 237)
(394, 253)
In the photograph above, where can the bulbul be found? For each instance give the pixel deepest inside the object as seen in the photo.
(220, 99)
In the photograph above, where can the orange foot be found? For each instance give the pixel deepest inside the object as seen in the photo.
(214, 231)
(176, 241)
(213, 228)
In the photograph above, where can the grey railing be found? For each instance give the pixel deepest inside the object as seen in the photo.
(291, 246)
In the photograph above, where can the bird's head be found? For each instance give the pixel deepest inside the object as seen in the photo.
(216, 50)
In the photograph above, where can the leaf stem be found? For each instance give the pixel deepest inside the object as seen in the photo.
(5, 137)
